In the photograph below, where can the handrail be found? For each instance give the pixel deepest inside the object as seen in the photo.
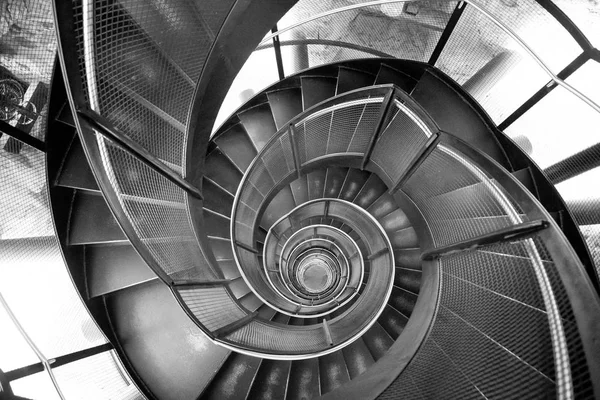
(572, 274)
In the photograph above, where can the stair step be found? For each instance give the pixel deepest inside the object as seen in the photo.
(216, 225)
(300, 190)
(454, 115)
(355, 179)
(271, 380)
(408, 279)
(75, 171)
(350, 79)
(358, 358)
(316, 89)
(373, 188)
(404, 238)
(221, 248)
(394, 221)
(281, 318)
(316, 183)
(304, 378)
(229, 269)
(378, 341)
(333, 371)
(157, 335)
(408, 258)
(216, 198)
(234, 379)
(281, 204)
(222, 171)
(392, 321)
(388, 74)
(334, 181)
(258, 122)
(92, 222)
(381, 207)
(403, 300)
(236, 143)
(285, 105)
(239, 288)
(266, 312)
(114, 267)
(251, 302)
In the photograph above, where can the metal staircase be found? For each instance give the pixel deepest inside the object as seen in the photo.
(359, 229)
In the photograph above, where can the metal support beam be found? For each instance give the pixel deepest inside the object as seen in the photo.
(417, 161)
(460, 7)
(502, 235)
(278, 58)
(381, 118)
(542, 92)
(104, 127)
(22, 136)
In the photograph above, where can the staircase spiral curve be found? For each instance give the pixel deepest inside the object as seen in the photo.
(359, 229)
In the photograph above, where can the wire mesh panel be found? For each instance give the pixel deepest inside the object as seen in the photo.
(97, 377)
(401, 29)
(157, 210)
(28, 43)
(490, 65)
(140, 62)
(398, 144)
(287, 340)
(582, 197)
(459, 202)
(341, 128)
(545, 124)
(533, 24)
(213, 307)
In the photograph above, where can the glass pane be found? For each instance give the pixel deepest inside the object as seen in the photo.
(490, 65)
(559, 126)
(591, 233)
(587, 80)
(33, 277)
(586, 15)
(28, 44)
(14, 350)
(97, 377)
(259, 71)
(538, 29)
(403, 30)
(37, 387)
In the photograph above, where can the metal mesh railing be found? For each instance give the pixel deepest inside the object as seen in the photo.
(213, 307)
(461, 202)
(157, 212)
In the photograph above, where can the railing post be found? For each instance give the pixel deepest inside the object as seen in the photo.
(388, 100)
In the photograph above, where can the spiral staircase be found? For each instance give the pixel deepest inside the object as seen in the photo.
(358, 229)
